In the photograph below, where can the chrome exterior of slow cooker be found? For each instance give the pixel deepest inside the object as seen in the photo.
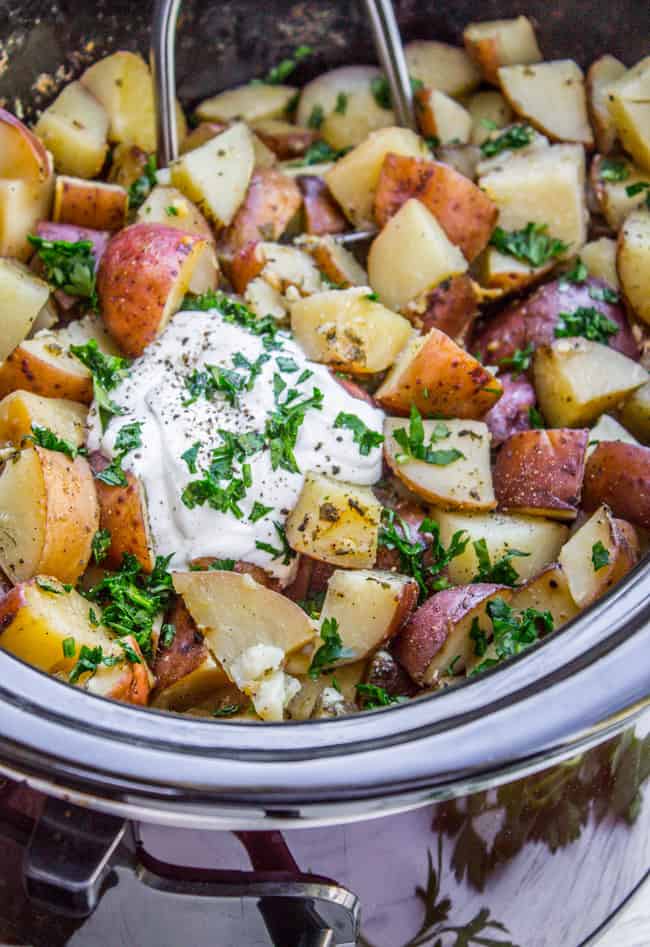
(554, 748)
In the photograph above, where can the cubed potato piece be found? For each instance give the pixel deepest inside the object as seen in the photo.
(488, 110)
(264, 300)
(441, 66)
(22, 204)
(74, 129)
(411, 256)
(49, 514)
(552, 97)
(635, 414)
(501, 274)
(439, 116)
(608, 429)
(354, 178)
(21, 410)
(128, 163)
(537, 142)
(203, 132)
(350, 111)
(166, 205)
(384, 671)
(495, 43)
(288, 270)
(618, 475)
(440, 378)
(284, 139)
(91, 204)
(248, 103)
(22, 154)
(546, 187)
(599, 256)
(629, 107)
(540, 472)
(38, 616)
(463, 483)
(450, 307)
(216, 175)
(462, 158)
(123, 513)
(540, 539)
(309, 700)
(577, 380)
(336, 263)
(349, 329)
(512, 411)
(601, 74)
(596, 557)
(272, 202)
(437, 637)
(614, 201)
(22, 296)
(633, 263)
(369, 606)
(547, 592)
(335, 521)
(322, 215)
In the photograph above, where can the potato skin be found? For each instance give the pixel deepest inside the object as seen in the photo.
(511, 412)
(123, 514)
(24, 370)
(401, 177)
(185, 654)
(384, 671)
(450, 307)
(243, 265)
(322, 214)
(532, 321)
(273, 199)
(241, 568)
(134, 686)
(618, 474)
(542, 471)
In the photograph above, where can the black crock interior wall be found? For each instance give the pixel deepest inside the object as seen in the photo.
(224, 43)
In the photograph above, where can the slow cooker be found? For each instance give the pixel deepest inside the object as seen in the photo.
(507, 811)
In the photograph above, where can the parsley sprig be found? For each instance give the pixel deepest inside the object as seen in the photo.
(372, 696)
(519, 361)
(364, 436)
(513, 633)
(319, 153)
(330, 651)
(585, 321)
(500, 572)
(100, 545)
(283, 424)
(44, 437)
(107, 371)
(633, 189)
(69, 266)
(236, 313)
(423, 561)
(412, 443)
(286, 553)
(286, 67)
(128, 439)
(532, 244)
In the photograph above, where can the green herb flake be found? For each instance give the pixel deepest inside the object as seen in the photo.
(341, 106)
(536, 419)
(513, 633)
(633, 189)
(518, 136)
(286, 553)
(51, 587)
(413, 447)
(69, 646)
(316, 118)
(532, 244)
(128, 439)
(259, 511)
(228, 710)
(330, 651)
(395, 534)
(479, 637)
(107, 372)
(599, 556)
(587, 322)
(519, 361)
(372, 696)
(501, 572)
(604, 294)
(611, 170)
(190, 456)
(100, 545)
(69, 266)
(142, 186)
(167, 635)
(88, 662)
(286, 67)
(577, 274)
(44, 437)
(319, 153)
(286, 364)
(366, 438)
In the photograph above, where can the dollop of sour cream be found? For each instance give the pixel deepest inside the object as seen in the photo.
(156, 395)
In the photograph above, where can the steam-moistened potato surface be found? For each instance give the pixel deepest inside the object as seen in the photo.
(495, 43)
(618, 475)
(597, 556)
(22, 296)
(74, 128)
(551, 96)
(633, 262)
(548, 591)
(21, 411)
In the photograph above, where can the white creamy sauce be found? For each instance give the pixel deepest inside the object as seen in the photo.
(154, 394)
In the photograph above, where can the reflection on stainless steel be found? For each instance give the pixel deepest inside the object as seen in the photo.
(163, 64)
(390, 53)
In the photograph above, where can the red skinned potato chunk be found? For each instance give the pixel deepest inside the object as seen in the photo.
(541, 472)
(401, 177)
(437, 637)
(618, 474)
(123, 512)
(450, 307)
(511, 413)
(384, 671)
(186, 652)
(532, 321)
(321, 212)
(272, 201)
(145, 272)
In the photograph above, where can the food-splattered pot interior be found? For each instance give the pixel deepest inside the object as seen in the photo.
(250, 475)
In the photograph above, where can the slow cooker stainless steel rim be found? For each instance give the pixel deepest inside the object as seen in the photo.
(572, 691)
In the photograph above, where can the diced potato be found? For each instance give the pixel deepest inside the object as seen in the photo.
(411, 256)
(551, 96)
(22, 296)
(547, 592)
(441, 66)
(540, 539)
(321, 213)
(349, 329)
(633, 263)
(546, 187)
(462, 158)
(284, 139)
(123, 513)
(487, 110)
(629, 107)
(353, 179)
(74, 129)
(538, 142)
(599, 256)
(350, 111)
(168, 206)
(504, 274)
(308, 699)
(216, 175)
(618, 475)
(335, 521)
(614, 201)
(577, 380)
(605, 70)
(264, 300)
(608, 428)
(248, 103)
(93, 204)
(23, 204)
(369, 607)
(271, 208)
(127, 165)
(337, 264)
(440, 378)
(439, 116)
(464, 483)
(495, 43)
(21, 410)
(451, 307)
(288, 268)
(596, 557)
(635, 415)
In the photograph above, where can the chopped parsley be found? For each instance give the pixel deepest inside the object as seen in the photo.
(513, 633)
(171, 211)
(107, 371)
(381, 90)
(209, 490)
(362, 435)
(501, 572)
(283, 424)
(519, 361)
(44, 437)
(69, 647)
(128, 439)
(48, 586)
(228, 710)
(479, 637)
(286, 67)
(412, 443)
(585, 321)
(372, 696)
(372, 297)
(254, 369)
(222, 565)
(604, 294)
(418, 559)
(341, 106)
(190, 456)
(314, 605)
(142, 186)
(286, 364)
(611, 170)
(599, 556)
(69, 266)
(89, 660)
(330, 651)
(633, 189)
(535, 418)
(318, 153)
(532, 244)
(316, 117)
(577, 274)
(235, 313)
(286, 553)
(518, 136)
(259, 511)
(167, 635)
(100, 545)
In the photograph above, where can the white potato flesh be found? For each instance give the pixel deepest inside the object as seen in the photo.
(552, 97)
(446, 119)
(264, 300)
(337, 264)
(411, 256)
(538, 142)
(336, 522)
(289, 268)
(633, 263)
(350, 110)
(305, 703)
(22, 296)
(546, 187)
(20, 410)
(635, 413)
(488, 110)
(74, 128)
(442, 66)
(616, 204)
(602, 73)
(353, 179)
(547, 592)
(216, 175)
(22, 204)
(168, 206)
(504, 274)
(541, 539)
(608, 429)
(599, 256)
(594, 558)
(629, 107)
(368, 606)
(464, 483)
(349, 328)
(577, 380)
(495, 43)
(250, 103)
